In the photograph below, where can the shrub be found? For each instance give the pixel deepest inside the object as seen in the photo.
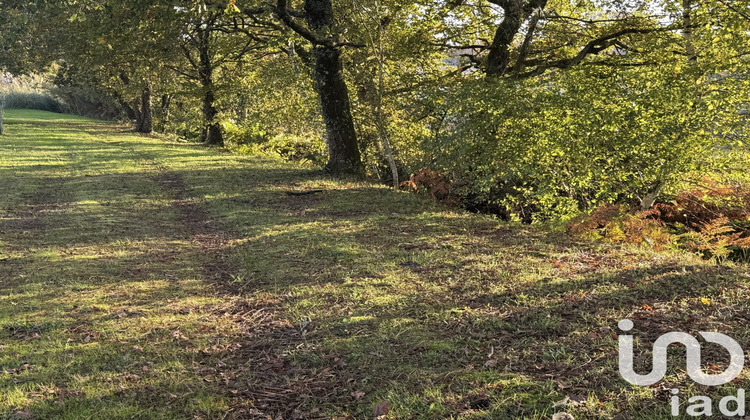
(713, 221)
(254, 140)
(619, 224)
(297, 148)
(569, 141)
(243, 135)
(31, 100)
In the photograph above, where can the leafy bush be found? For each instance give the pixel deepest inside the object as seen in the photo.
(31, 100)
(253, 140)
(244, 135)
(297, 148)
(569, 141)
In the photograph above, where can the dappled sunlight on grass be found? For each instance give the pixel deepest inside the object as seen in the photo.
(148, 279)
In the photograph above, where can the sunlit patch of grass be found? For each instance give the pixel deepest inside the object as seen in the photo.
(334, 302)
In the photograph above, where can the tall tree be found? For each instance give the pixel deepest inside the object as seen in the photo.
(119, 46)
(316, 24)
(212, 38)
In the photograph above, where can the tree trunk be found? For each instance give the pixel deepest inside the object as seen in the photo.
(498, 59)
(1, 119)
(137, 113)
(132, 112)
(649, 199)
(515, 14)
(343, 149)
(164, 108)
(687, 30)
(129, 111)
(145, 120)
(211, 133)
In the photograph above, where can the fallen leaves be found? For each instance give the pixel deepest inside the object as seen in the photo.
(24, 414)
(124, 313)
(178, 335)
(381, 410)
(15, 371)
(570, 401)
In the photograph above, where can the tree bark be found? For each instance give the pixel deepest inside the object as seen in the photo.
(498, 59)
(687, 30)
(145, 120)
(211, 129)
(165, 111)
(515, 13)
(211, 133)
(2, 130)
(343, 148)
(129, 111)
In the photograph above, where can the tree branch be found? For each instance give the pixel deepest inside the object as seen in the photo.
(593, 47)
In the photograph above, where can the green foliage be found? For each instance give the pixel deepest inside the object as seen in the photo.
(297, 148)
(30, 92)
(31, 100)
(573, 140)
(599, 103)
(286, 147)
(244, 135)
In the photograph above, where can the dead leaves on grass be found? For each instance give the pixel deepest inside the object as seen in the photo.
(381, 410)
(15, 371)
(24, 414)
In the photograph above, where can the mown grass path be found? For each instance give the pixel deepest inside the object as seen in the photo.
(146, 279)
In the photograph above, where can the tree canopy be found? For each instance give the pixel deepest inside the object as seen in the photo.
(551, 106)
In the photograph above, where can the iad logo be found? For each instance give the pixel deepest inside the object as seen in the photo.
(692, 350)
(700, 405)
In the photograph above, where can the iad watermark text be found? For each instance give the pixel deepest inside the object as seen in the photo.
(698, 406)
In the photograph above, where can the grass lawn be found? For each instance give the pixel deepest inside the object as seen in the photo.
(153, 280)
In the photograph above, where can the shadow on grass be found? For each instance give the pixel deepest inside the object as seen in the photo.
(188, 283)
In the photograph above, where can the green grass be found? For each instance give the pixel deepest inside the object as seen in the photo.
(154, 280)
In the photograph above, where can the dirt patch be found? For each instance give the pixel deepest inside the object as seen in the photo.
(30, 220)
(254, 367)
(210, 240)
